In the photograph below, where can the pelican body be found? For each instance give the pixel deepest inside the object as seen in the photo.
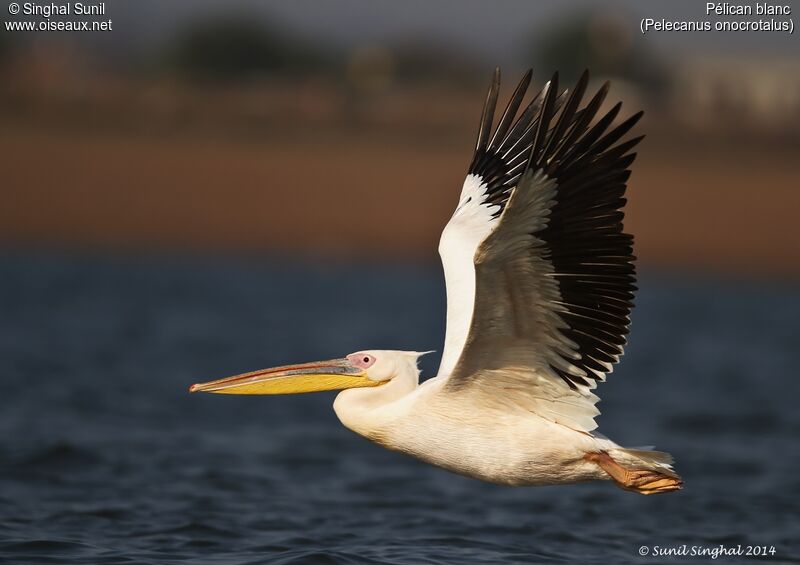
(540, 281)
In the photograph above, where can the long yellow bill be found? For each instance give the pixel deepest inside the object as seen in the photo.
(336, 374)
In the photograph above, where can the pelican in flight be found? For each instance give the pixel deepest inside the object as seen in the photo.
(540, 282)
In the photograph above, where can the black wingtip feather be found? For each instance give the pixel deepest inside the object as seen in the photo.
(567, 115)
(487, 117)
(507, 119)
(542, 128)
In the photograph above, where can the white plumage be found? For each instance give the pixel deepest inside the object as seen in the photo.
(471, 223)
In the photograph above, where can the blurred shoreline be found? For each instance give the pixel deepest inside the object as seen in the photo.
(349, 192)
(233, 134)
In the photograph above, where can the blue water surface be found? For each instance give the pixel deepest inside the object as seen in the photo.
(105, 457)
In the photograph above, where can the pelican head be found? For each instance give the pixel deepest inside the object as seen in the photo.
(362, 369)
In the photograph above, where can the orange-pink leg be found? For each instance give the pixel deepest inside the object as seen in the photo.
(643, 481)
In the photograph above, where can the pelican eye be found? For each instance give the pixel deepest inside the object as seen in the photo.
(362, 360)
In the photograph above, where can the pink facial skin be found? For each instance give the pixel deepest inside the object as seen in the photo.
(362, 360)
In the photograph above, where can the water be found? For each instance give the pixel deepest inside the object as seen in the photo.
(106, 458)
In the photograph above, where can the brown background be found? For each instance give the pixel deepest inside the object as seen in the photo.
(364, 152)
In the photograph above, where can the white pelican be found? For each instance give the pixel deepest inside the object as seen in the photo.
(540, 282)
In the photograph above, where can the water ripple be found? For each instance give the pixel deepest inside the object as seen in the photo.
(104, 458)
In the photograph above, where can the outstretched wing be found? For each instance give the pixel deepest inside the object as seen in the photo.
(540, 275)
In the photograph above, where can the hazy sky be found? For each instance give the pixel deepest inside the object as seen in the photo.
(497, 32)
